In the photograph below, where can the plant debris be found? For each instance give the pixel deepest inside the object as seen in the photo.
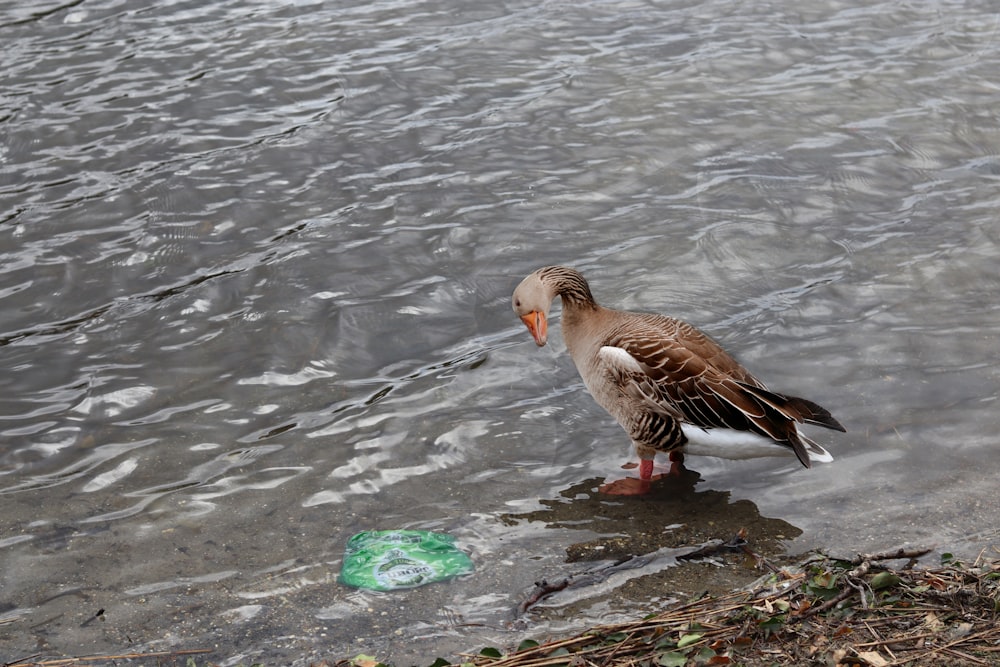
(161, 658)
(854, 612)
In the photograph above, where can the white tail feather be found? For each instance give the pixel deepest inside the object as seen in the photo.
(726, 443)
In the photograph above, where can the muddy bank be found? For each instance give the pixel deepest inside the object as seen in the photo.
(875, 610)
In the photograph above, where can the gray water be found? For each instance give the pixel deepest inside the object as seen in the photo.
(255, 267)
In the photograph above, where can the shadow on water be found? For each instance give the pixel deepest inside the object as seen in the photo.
(672, 520)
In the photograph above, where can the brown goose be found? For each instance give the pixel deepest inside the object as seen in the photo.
(671, 387)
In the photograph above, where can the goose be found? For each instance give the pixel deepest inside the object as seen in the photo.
(669, 385)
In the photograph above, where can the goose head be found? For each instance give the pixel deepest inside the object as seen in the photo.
(531, 302)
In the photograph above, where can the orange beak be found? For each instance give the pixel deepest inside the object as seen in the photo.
(539, 328)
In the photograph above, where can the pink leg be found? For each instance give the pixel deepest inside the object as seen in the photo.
(646, 469)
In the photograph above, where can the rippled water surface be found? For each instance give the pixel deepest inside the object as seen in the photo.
(255, 263)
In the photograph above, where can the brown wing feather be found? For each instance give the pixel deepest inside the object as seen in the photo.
(800, 409)
(694, 376)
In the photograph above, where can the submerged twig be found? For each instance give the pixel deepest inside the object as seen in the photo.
(545, 588)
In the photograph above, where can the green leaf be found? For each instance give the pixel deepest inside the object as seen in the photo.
(772, 624)
(687, 640)
(823, 586)
(947, 558)
(884, 580)
(616, 637)
(704, 655)
(672, 659)
(490, 652)
(524, 646)
(440, 662)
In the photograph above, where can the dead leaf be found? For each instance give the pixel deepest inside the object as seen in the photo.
(932, 622)
(960, 630)
(873, 658)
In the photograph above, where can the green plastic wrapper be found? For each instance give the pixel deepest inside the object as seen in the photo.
(388, 560)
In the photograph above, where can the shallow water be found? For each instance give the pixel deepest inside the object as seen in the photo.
(255, 263)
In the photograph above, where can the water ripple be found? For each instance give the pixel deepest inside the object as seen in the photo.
(256, 259)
